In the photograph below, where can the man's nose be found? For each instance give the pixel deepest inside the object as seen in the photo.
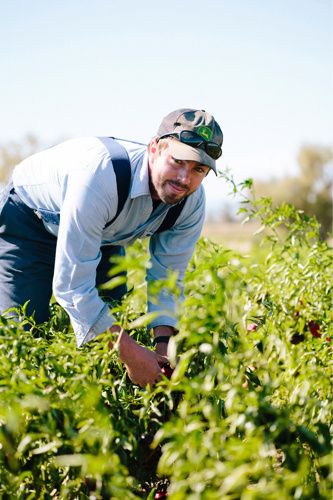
(183, 175)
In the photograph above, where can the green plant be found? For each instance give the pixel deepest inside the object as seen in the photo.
(246, 413)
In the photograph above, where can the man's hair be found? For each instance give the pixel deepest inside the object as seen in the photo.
(163, 144)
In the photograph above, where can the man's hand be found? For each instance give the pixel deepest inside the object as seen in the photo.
(142, 365)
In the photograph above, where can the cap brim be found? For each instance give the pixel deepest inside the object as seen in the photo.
(182, 151)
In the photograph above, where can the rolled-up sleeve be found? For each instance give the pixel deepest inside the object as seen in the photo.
(86, 208)
(171, 250)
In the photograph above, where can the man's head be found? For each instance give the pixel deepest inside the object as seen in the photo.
(199, 136)
(187, 144)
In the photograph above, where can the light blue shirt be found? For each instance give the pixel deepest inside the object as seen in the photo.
(76, 179)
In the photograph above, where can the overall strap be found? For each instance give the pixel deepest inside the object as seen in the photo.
(122, 169)
(172, 215)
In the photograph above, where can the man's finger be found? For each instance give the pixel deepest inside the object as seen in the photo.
(143, 382)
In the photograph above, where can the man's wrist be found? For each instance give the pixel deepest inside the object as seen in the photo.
(164, 330)
(125, 345)
(115, 329)
(161, 339)
(116, 332)
(162, 334)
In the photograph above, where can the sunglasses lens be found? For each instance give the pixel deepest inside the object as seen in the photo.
(213, 150)
(196, 141)
(190, 138)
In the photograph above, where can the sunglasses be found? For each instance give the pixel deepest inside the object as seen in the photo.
(196, 141)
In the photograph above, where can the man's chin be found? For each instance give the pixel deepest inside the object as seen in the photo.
(172, 199)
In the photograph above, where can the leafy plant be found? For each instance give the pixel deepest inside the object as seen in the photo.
(246, 413)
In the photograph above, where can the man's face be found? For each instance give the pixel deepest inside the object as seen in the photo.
(171, 180)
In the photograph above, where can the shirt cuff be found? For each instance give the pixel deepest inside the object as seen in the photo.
(163, 317)
(103, 322)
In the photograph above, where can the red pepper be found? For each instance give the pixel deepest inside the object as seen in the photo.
(160, 495)
(167, 371)
(314, 329)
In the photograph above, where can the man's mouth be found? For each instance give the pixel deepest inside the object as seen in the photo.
(177, 187)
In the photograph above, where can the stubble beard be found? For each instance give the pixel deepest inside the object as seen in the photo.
(171, 198)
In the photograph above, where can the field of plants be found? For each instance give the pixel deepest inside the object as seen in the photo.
(245, 415)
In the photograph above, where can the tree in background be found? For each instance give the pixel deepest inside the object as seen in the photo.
(12, 153)
(310, 190)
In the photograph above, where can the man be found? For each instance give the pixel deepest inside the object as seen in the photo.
(62, 218)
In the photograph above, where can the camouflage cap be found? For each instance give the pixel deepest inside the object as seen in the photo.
(194, 120)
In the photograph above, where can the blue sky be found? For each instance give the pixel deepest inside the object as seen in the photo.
(116, 67)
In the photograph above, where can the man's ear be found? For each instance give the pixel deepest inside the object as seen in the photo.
(153, 145)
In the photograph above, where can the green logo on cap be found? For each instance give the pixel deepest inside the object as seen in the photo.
(205, 132)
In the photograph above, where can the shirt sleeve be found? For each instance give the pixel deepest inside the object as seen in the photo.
(86, 208)
(171, 250)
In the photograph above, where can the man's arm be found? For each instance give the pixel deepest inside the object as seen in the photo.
(86, 207)
(171, 251)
